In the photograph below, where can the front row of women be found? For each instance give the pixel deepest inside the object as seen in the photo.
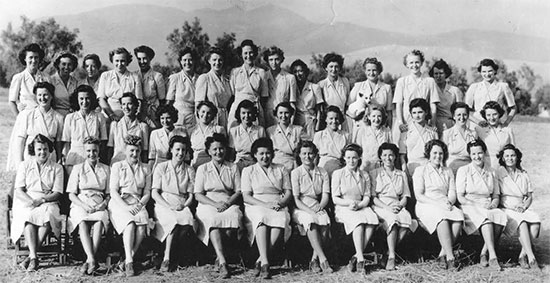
(267, 188)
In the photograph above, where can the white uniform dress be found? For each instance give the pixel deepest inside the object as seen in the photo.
(250, 85)
(216, 89)
(449, 95)
(181, 90)
(370, 140)
(482, 92)
(131, 182)
(77, 128)
(337, 93)
(306, 116)
(436, 183)
(241, 140)
(38, 183)
(198, 136)
(266, 186)
(90, 186)
(113, 85)
(352, 186)
(119, 130)
(330, 145)
(159, 143)
(412, 143)
(513, 190)
(390, 189)
(478, 186)
(63, 92)
(21, 87)
(282, 88)
(218, 186)
(176, 186)
(457, 142)
(284, 143)
(310, 187)
(154, 90)
(381, 94)
(495, 138)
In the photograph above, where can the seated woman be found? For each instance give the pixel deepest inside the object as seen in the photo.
(204, 128)
(496, 135)
(309, 100)
(435, 192)
(173, 183)
(284, 135)
(351, 194)
(331, 140)
(158, 142)
(89, 195)
(64, 83)
(311, 190)
(390, 195)
(458, 136)
(38, 185)
(218, 191)
(478, 193)
(371, 134)
(516, 196)
(266, 193)
(83, 123)
(130, 189)
(282, 85)
(245, 133)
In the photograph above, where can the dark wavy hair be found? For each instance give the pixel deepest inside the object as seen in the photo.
(388, 146)
(273, 50)
(187, 50)
(248, 42)
(300, 63)
(492, 105)
(286, 105)
(246, 104)
(40, 139)
(216, 137)
(166, 108)
(423, 104)
(487, 63)
(179, 139)
(304, 144)
(73, 99)
(414, 52)
(430, 144)
(33, 47)
(91, 140)
(261, 142)
(333, 57)
(373, 60)
(214, 50)
(442, 65)
(458, 105)
(92, 57)
(209, 104)
(519, 155)
(49, 87)
(149, 52)
(351, 147)
(335, 109)
(121, 50)
(132, 96)
(73, 59)
(133, 140)
(474, 143)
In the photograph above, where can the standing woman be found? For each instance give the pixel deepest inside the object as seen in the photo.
(21, 95)
(154, 87)
(496, 135)
(311, 190)
(248, 82)
(38, 186)
(214, 86)
(92, 65)
(218, 191)
(390, 195)
(335, 87)
(478, 192)
(448, 95)
(206, 113)
(89, 195)
(130, 189)
(266, 192)
(516, 196)
(159, 147)
(81, 124)
(173, 183)
(114, 83)
(181, 88)
(245, 133)
(309, 100)
(351, 194)
(435, 192)
(371, 135)
(285, 136)
(64, 82)
(457, 137)
(331, 140)
(282, 85)
(490, 89)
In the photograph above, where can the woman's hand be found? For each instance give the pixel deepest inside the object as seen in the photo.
(222, 206)
(449, 206)
(403, 128)
(88, 208)
(275, 205)
(491, 205)
(102, 206)
(396, 208)
(134, 209)
(37, 202)
(520, 208)
(354, 206)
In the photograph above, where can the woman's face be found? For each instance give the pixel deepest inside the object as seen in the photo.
(143, 61)
(264, 156)
(120, 62)
(247, 116)
(439, 75)
(351, 158)
(216, 62)
(418, 114)
(388, 158)
(41, 152)
(275, 62)
(307, 156)
(477, 155)
(166, 121)
(371, 71)
(178, 151)
(217, 151)
(92, 70)
(492, 117)
(92, 152)
(43, 97)
(65, 67)
(436, 155)
(84, 101)
(32, 60)
(461, 116)
(248, 55)
(333, 69)
(205, 115)
(332, 120)
(128, 106)
(375, 118)
(283, 115)
(187, 63)
(414, 63)
(132, 153)
(510, 158)
(300, 73)
(488, 73)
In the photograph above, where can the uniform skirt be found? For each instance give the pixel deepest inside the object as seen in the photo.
(304, 219)
(431, 215)
(167, 219)
(476, 215)
(24, 213)
(516, 218)
(353, 218)
(78, 214)
(255, 215)
(388, 219)
(208, 217)
(120, 215)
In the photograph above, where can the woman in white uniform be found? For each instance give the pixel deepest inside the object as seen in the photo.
(64, 82)
(331, 140)
(158, 141)
(285, 136)
(309, 100)
(206, 113)
(448, 95)
(458, 136)
(495, 135)
(282, 85)
(181, 88)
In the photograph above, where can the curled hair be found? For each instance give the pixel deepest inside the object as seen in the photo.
(458, 105)
(414, 52)
(492, 105)
(423, 104)
(179, 139)
(48, 86)
(377, 107)
(304, 144)
(33, 47)
(131, 95)
(73, 99)
(300, 63)
(209, 104)
(519, 155)
(149, 52)
(91, 140)
(40, 139)
(442, 65)
(121, 50)
(286, 105)
(474, 143)
(92, 57)
(333, 57)
(167, 108)
(487, 63)
(185, 51)
(246, 104)
(388, 146)
(214, 50)
(248, 42)
(215, 137)
(430, 144)
(273, 50)
(261, 142)
(351, 147)
(73, 59)
(373, 60)
(335, 109)
(133, 140)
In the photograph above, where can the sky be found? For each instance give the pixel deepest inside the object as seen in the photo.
(420, 17)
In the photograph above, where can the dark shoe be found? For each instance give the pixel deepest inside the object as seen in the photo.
(534, 264)
(325, 266)
(224, 270)
(493, 263)
(441, 262)
(25, 263)
(390, 265)
(84, 269)
(258, 269)
(451, 265)
(33, 264)
(165, 266)
(483, 260)
(129, 269)
(314, 266)
(266, 271)
(523, 262)
(92, 268)
(361, 267)
(352, 265)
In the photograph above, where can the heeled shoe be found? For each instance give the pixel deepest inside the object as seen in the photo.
(25, 263)
(129, 269)
(84, 268)
(361, 267)
(352, 265)
(522, 260)
(224, 270)
(493, 263)
(325, 266)
(314, 266)
(33, 264)
(390, 265)
(266, 271)
(483, 260)
(534, 264)
(257, 269)
(92, 268)
(165, 266)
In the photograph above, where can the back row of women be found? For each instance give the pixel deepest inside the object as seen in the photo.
(195, 111)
